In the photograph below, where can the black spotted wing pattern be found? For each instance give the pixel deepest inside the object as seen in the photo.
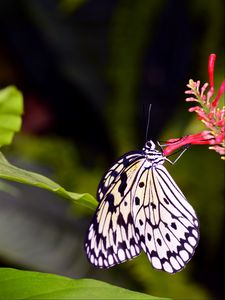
(166, 224)
(118, 171)
(111, 237)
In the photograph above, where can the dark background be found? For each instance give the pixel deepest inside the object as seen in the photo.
(88, 71)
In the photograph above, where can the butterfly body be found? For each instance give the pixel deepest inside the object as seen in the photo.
(142, 208)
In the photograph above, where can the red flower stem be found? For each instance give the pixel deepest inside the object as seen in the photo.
(211, 63)
(202, 138)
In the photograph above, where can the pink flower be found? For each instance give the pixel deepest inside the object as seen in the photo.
(207, 112)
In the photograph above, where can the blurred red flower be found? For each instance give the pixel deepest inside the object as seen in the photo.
(207, 112)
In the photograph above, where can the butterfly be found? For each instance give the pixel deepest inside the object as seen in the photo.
(141, 208)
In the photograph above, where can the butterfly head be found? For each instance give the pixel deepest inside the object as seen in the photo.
(149, 145)
(152, 154)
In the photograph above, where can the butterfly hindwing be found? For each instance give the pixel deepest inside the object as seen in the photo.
(167, 224)
(111, 238)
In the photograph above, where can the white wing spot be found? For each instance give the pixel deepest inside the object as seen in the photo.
(90, 235)
(184, 255)
(188, 247)
(196, 223)
(174, 263)
(132, 250)
(156, 262)
(167, 267)
(106, 263)
(121, 255)
(180, 261)
(110, 258)
(143, 246)
(128, 254)
(92, 259)
(195, 233)
(137, 249)
(191, 241)
(100, 261)
(116, 261)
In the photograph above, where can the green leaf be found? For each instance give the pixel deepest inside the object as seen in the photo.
(17, 284)
(10, 172)
(11, 109)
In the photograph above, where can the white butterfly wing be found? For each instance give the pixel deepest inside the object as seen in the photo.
(166, 224)
(111, 238)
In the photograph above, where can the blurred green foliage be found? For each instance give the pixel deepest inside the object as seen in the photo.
(61, 157)
(69, 6)
(11, 109)
(177, 286)
(131, 29)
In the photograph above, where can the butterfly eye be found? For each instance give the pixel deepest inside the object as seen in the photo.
(150, 144)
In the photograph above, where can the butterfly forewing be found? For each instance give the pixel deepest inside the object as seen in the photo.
(142, 208)
(118, 169)
(111, 238)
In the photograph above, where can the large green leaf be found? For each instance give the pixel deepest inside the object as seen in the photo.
(16, 284)
(10, 172)
(11, 109)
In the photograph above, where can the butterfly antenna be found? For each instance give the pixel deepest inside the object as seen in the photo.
(148, 121)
